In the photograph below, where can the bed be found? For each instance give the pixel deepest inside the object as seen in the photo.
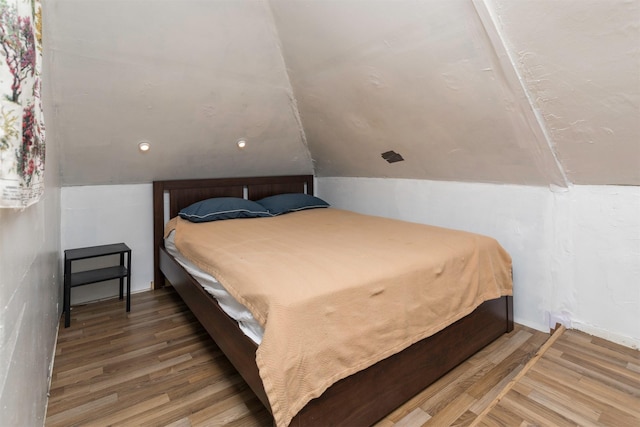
(361, 398)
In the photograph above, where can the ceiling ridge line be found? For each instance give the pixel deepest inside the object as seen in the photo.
(552, 168)
(290, 91)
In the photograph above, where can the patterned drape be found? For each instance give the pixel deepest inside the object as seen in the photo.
(22, 142)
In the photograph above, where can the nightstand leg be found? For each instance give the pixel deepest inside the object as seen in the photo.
(122, 278)
(128, 281)
(67, 294)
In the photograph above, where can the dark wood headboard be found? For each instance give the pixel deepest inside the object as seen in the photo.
(183, 193)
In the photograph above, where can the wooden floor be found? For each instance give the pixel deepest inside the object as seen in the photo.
(156, 366)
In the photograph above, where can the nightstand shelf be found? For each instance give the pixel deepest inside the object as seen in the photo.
(98, 275)
(121, 271)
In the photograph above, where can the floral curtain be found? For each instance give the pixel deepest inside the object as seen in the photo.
(22, 142)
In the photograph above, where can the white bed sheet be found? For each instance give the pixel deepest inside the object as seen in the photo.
(248, 324)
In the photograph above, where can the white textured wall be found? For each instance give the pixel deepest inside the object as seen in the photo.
(30, 292)
(576, 253)
(606, 248)
(103, 214)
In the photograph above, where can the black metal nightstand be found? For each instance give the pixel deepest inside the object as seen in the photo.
(72, 280)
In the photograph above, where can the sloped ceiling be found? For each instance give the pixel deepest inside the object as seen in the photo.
(191, 77)
(580, 62)
(529, 92)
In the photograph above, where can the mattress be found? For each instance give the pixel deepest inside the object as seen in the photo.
(238, 312)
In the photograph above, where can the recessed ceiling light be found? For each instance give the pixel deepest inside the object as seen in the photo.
(241, 143)
(144, 146)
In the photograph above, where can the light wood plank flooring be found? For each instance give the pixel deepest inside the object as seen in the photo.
(579, 380)
(157, 366)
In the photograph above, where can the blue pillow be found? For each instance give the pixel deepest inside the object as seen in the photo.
(220, 208)
(292, 202)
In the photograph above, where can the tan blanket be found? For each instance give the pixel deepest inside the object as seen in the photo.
(338, 291)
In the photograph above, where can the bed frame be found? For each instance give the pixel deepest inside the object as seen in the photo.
(360, 399)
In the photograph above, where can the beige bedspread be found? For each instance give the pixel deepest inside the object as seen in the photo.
(338, 291)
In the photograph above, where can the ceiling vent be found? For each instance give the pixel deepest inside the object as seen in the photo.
(392, 156)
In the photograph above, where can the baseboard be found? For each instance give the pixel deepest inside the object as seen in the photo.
(50, 374)
(607, 335)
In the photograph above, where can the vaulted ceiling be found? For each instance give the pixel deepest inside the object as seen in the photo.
(536, 92)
